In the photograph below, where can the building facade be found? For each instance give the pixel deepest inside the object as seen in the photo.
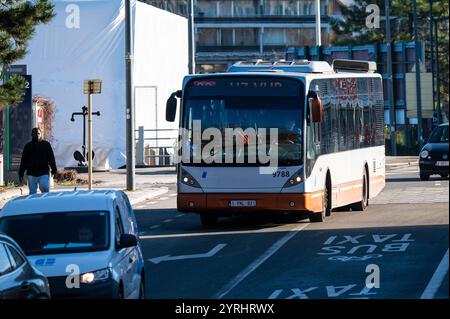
(227, 31)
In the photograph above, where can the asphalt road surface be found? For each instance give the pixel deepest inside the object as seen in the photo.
(397, 248)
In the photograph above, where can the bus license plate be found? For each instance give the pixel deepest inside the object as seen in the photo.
(442, 163)
(242, 203)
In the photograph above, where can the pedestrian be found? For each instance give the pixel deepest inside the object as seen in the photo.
(37, 156)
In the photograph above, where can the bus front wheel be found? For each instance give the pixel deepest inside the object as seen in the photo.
(326, 205)
(208, 219)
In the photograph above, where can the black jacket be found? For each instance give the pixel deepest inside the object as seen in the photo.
(36, 159)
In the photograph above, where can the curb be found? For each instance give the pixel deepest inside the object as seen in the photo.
(402, 164)
(143, 198)
(15, 192)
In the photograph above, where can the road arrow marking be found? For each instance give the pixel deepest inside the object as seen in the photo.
(210, 253)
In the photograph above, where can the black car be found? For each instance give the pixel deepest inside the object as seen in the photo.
(18, 278)
(433, 158)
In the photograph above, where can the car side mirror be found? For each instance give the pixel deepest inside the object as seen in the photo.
(171, 106)
(316, 109)
(127, 240)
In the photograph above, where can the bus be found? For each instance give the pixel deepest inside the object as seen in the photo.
(327, 142)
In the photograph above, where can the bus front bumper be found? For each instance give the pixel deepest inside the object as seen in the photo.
(222, 202)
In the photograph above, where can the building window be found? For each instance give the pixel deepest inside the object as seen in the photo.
(225, 9)
(273, 7)
(293, 37)
(206, 8)
(246, 37)
(290, 7)
(226, 36)
(207, 37)
(246, 8)
(274, 36)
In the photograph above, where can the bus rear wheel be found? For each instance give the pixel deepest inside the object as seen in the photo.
(208, 219)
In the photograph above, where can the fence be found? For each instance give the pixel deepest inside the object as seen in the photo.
(155, 147)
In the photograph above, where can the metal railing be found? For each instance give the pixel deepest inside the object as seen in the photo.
(156, 150)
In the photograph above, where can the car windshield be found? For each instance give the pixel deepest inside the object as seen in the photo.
(58, 233)
(440, 135)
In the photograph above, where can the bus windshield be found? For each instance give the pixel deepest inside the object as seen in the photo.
(249, 103)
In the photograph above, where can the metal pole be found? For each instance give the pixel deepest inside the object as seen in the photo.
(418, 89)
(318, 29)
(90, 135)
(131, 185)
(438, 73)
(84, 131)
(390, 86)
(432, 58)
(191, 37)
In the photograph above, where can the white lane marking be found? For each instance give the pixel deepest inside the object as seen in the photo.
(163, 198)
(437, 279)
(258, 262)
(210, 253)
(156, 226)
(167, 220)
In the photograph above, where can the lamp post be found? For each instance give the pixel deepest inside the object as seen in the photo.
(318, 30)
(390, 86)
(191, 37)
(417, 58)
(131, 185)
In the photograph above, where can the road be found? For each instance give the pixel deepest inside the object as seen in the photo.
(399, 246)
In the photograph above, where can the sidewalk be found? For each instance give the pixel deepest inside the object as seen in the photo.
(401, 161)
(150, 183)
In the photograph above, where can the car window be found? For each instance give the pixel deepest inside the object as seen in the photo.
(15, 257)
(439, 135)
(126, 221)
(59, 232)
(5, 264)
(119, 224)
(130, 212)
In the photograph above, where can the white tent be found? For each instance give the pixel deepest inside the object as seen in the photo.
(86, 40)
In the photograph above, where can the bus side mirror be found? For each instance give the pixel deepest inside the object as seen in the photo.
(171, 106)
(316, 110)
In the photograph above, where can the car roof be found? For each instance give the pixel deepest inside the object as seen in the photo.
(72, 201)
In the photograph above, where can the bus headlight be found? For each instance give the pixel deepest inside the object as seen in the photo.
(92, 277)
(187, 179)
(424, 154)
(294, 180)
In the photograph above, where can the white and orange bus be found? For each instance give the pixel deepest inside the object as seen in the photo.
(329, 141)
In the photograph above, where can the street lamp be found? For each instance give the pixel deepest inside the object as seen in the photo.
(318, 30)
(131, 185)
(417, 57)
(390, 86)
